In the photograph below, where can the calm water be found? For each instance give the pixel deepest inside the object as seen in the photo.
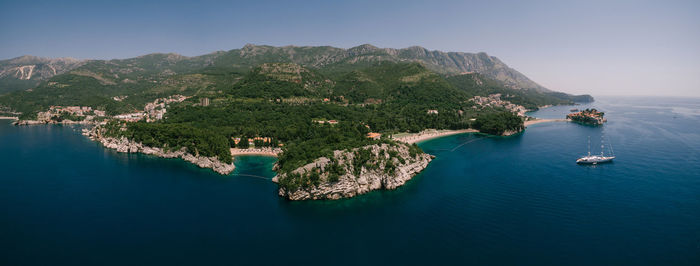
(483, 200)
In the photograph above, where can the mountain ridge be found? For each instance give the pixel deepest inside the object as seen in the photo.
(250, 55)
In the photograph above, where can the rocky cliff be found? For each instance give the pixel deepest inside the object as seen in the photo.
(125, 145)
(353, 172)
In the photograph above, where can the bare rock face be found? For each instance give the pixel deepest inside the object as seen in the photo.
(511, 132)
(125, 145)
(30, 70)
(389, 167)
(32, 67)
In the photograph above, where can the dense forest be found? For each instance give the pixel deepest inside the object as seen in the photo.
(498, 123)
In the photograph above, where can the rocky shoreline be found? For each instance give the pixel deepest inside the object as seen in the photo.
(510, 132)
(125, 145)
(390, 166)
(369, 179)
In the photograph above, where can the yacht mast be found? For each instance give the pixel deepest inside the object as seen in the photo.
(589, 145)
(612, 152)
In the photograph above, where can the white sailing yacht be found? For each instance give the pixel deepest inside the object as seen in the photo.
(596, 159)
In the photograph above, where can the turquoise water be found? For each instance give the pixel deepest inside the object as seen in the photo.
(483, 200)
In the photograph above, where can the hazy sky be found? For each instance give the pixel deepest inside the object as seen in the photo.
(596, 47)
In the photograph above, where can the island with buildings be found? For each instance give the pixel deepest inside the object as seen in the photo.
(588, 117)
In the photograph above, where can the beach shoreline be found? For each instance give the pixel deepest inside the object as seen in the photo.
(539, 121)
(9, 118)
(258, 152)
(431, 134)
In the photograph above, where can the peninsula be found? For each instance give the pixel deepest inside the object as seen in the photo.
(341, 122)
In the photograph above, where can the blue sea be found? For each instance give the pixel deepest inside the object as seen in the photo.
(519, 200)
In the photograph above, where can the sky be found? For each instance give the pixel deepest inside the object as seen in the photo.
(593, 47)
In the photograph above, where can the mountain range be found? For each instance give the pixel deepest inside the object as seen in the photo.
(362, 74)
(28, 71)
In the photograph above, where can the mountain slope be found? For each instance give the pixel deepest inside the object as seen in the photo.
(458, 62)
(389, 81)
(479, 85)
(28, 71)
(340, 60)
(281, 80)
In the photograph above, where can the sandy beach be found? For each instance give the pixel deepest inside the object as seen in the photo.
(430, 134)
(538, 121)
(261, 152)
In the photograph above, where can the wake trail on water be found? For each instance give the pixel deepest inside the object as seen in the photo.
(458, 146)
(254, 176)
(465, 143)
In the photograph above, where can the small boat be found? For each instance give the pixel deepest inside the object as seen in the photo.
(574, 110)
(596, 159)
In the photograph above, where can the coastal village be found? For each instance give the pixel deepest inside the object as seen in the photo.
(494, 100)
(66, 115)
(152, 112)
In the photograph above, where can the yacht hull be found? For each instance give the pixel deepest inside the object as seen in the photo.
(594, 160)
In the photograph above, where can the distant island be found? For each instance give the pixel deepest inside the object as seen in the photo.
(342, 122)
(588, 117)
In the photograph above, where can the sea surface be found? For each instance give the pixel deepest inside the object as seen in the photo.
(518, 200)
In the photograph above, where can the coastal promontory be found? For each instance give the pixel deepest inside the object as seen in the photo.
(348, 173)
(121, 143)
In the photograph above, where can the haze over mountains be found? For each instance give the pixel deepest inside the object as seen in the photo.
(28, 71)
